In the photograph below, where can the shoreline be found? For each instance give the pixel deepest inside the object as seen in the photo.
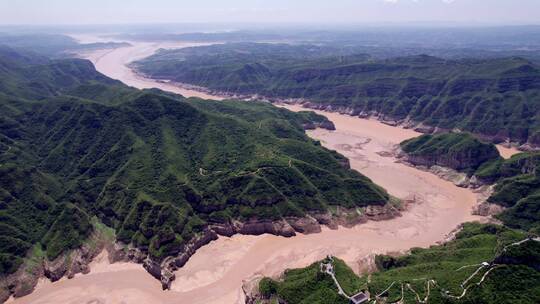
(506, 148)
(216, 272)
(460, 179)
(189, 278)
(140, 80)
(111, 256)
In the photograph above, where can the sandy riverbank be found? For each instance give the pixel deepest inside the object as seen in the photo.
(216, 272)
(507, 152)
(114, 63)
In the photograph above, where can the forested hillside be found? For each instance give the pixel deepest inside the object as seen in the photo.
(484, 264)
(497, 98)
(162, 170)
(516, 180)
(460, 151)
(517, 189)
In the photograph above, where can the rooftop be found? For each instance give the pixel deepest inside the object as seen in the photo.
(360, 297)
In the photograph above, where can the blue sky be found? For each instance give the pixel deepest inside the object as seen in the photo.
(310, 11)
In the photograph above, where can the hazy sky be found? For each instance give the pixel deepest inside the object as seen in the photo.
(327, 11)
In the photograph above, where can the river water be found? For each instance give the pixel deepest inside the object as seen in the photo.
(216, 272)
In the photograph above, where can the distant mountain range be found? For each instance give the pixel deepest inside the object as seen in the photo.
(84, 157)
(496, 97)
(52, 45)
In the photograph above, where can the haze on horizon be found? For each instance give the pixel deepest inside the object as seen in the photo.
(57, 12)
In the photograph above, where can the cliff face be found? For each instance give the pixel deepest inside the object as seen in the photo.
(68, 264)
(458, 160)
(328, 125)
(164, 270)
(459, 151)
(77, 261)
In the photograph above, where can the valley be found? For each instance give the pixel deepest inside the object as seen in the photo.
(216, 272)
(113, 63)
(270, 152)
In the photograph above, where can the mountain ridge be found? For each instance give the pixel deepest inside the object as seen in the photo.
(167, 173)
(494, 98)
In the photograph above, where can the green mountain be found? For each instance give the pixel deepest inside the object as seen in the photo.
(311, 285)
(517, 188)
(516, 180)
(460, 151)
(450, 273)
(166, 172)
(497, 98)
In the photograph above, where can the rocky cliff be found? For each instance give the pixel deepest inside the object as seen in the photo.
(459, 151)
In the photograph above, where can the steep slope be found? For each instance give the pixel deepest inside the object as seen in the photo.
(459, 151)
(516, 180)
(167, 173)
(497, 98)
(517, 188)
(451, 273)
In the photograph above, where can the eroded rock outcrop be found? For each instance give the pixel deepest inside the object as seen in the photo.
(328, 125)
(487, 209)
(77, 261)
(164, 270)
(459, 151)
(69, 264)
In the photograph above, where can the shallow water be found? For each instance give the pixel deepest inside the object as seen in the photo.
(216, 272)
(507, 152)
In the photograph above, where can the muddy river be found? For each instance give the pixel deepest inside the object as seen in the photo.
(215, 274)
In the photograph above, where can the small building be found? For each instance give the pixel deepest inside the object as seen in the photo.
(360, 297)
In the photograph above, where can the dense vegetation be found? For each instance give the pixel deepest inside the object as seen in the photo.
(310, 285)
(517, 180)
(156, 167)
(460, 151)
(497, 97)
(517, 188)
(514, 275)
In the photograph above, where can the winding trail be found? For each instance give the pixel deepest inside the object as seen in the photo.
(216, 272)
(328, 268)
